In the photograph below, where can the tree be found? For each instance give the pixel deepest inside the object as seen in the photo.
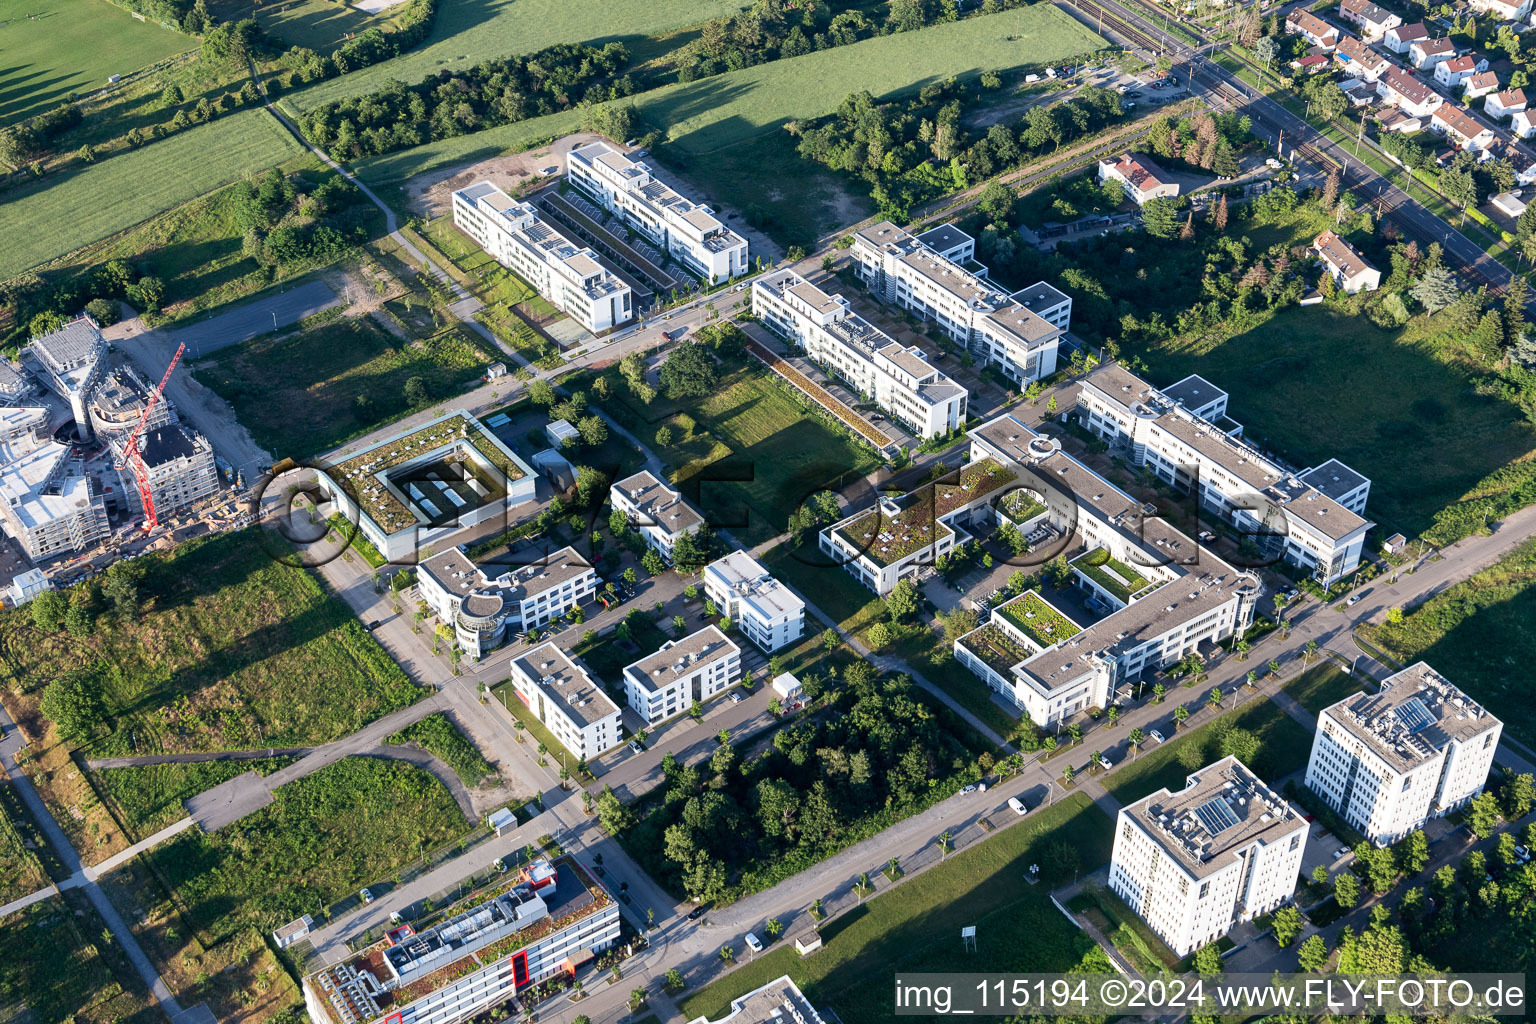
(996, 201)
(652, 563)
(1320, 874)
(73, 704)
(1208, 960)
(1346, 890)
(878, 636)
(1266, 50)
(1180, 715)
(1159, 219)
(1136, 738)
(689, 371)
(542, 392)
(48, 610)
(664, 437)
(902, 602)
(416, 391)
(1241, 744)
(1483, 815)
(674, 980)
(1312, 954)
(1287, 924)
(612, 813)
(120, 585)
(1436, 290)
(1414, 852)
(1519, 795)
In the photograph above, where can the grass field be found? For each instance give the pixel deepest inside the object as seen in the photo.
(296, 392)
(315, 24)
(706, 116)
(54, 959)
(59, 215)
(1375, 391)
(1479, 633)
(20, 871)
(231, 649)
(352, 822)
(1283, 748)
(149, 797)
(1324, 686)
(467, 32)
(437, 735)
(72, 48)
(916, 927)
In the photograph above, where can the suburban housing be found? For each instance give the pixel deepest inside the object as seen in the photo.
(1006, 330)
(1400, 89)
(899, 380)
(570, 276)
(1399, 39)
(1462, 128)
(1504, 104)
(694, 668)
(691, 233)
(560, 693)
(1351, 271)
(656, 510)
(486, 602)
(761, 607)
(1310, 27)
(1373, 21)
(1141, 178)
(1220, 851)
(1389, 761)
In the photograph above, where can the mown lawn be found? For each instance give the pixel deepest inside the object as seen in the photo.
(59, 215)
(53, 958)
(147, 798)
(1283, 748)
(916, 927)
(1313, 383)
(1479, 634)
(230, 649)
(53, 48)
(314, 24)
(352, 822)
(1324, 686)
(298, 393)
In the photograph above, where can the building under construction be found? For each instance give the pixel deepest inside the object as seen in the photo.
(49, 504)
(119, 401)
(71, 362)
(178, 463)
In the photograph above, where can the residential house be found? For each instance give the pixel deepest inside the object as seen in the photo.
(1399, 39)
(1504, 104)
(1350, 270)
(1312, 63)
(1426, 53)
(690, 670)
(1523, 124)
(1393, 120)
(1142, 178)
(1461, 127)
(1451, 73)
(1359, 60)
(1310, 27)
(656, 510)
(1374, 22)
(1483, 83)
(1507, 10)
(1408, 94)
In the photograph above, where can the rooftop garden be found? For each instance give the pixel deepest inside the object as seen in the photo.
(995, 647)
(889, 539)
(1111, 574)
(1020, 506)
(357, 476)
(1038, 619)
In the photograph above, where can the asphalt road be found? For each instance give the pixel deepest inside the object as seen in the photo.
(283, 309)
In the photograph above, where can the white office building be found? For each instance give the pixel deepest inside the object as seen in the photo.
(486, 603)
(695, 668)
(899, 380)
(1220, 851)
(689, 232)
(1416, 749)
(558, 690)
(778, 1002)
(570, 276)
(760, 606)
(1312, 518)
(941, 285)
(656, 510)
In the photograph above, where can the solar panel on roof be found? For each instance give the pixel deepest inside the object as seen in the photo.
(1216, 815)
(1414, 715)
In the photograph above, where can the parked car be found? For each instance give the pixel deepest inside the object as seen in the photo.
(1018, 806)
(754, 943)
(1340, 852)
(365, 896)
(695, 913)
(636, 747)
(737, 698)
(1156, 735)
(1523, 854)
(968, 790)
(1104, 762)
(1353, 600)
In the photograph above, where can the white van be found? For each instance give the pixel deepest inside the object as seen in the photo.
(754, 943)
(1018, 806)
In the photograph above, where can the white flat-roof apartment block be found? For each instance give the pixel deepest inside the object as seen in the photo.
(695, 668)
(1312, 518)
(562, 695)
(763, 608)
(545, 919)
(570, 276)
(656, 510)
(1220, 851)
(1416, 749)
(691, 233)
(487, 602)
(904, 270)
(1141, 178)
(49, 504)
(899, 380)
(1163, 595)
(778, 1002)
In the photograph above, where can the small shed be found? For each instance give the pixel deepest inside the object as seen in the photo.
(788, 688)
(1393, 544)
(28, 585)
(501, 822)
(293, 931)
(808, 943)
(558, 431)
(556, 468)
(495, 370)
(1509, 204)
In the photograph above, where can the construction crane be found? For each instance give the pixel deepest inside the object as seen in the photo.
(136, 458)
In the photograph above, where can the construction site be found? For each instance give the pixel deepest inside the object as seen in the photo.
(95, 464)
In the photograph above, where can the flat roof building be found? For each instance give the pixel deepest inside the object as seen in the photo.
(487, 602)
(70, 361)
(697, 667)
(28, 585)
(898, 379)
(1222, 850)
(558, 690)
(49, 504)
(175, 464)
(688, 231)
(778, 1002)
(901, 270)
(570, 276)
(764, 609)
(656, 510)
(1388, 761)
(118, 402)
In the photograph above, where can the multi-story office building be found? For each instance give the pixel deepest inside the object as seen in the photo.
(1312, 518)
(489, 601)
(1142, 179)
(1222, 850)
(570, 276)
(778, 1002)
(906, 270)
(689, 232)
(1416, 749)
(49, 504)
(899, 380)
(695, 668)
(118, 402)
(656, 510)
(546, 919)
(762, 607)
(178, 468)
(1161, 596)
(560, 693)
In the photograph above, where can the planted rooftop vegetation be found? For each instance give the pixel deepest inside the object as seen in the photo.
(996, 648)
(1111, 574)
(1020, 506)
(1038, 619)
(889, 539)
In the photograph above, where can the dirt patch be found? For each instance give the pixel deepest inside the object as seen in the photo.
(362, 287)
(431, 195)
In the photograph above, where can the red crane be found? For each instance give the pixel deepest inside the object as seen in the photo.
(141, 472)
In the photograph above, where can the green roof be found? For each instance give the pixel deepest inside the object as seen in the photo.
(888, 539)
(994, 647)
(1112, 574)
(1038, 619)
